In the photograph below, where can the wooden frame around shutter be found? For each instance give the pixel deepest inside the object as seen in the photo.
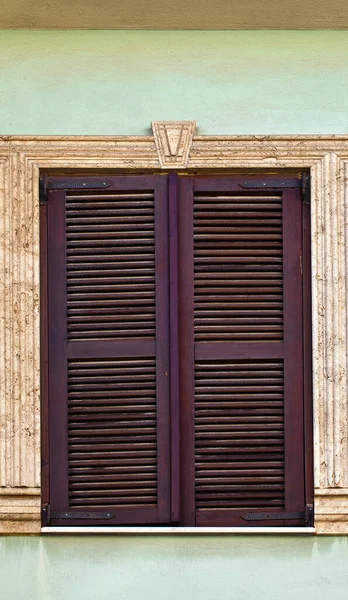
(295, 293)
(60, 348)
(21, 160)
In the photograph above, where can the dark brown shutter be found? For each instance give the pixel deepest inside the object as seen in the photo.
(108, 350)
(241, 351)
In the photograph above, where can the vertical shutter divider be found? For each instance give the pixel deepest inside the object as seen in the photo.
(57, 355)
(174, 349)
(162, 348)
(45, 461)
(186, 355)
(293, 350)
(307, 352)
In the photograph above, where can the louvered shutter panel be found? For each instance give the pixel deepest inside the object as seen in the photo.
(241, 352)
(108, 350)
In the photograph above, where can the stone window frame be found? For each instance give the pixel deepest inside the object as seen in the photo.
(172, 145)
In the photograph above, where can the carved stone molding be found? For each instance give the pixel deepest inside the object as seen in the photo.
(21, 159)
(173, 141)
(20, 510)
(331, 508)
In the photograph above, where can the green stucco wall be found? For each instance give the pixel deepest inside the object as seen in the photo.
(230, 82)
(174, 568)
(112, 82)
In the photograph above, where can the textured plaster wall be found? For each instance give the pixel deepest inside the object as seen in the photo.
(230, 82)
(180, 14)
(172, 568)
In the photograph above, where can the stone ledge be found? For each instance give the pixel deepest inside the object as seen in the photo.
(331, 511)
(12, 526)
(19, 512)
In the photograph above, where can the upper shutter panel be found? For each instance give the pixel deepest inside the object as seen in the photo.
(108, 345)
(243, 322)
(238, 267)
(111, 295)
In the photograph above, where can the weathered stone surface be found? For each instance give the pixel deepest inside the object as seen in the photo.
(20, 161)
(173, 141)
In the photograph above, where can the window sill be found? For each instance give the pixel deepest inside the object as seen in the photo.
(181, 530)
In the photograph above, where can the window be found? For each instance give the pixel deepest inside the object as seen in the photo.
(177, 332)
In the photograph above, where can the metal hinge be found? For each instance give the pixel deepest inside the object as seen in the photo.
(309, 515)
(42, 191)
(45, 515)
(273, 516)
(76, 184)
(271, 183)
(81, 515)
(45, 183)
(306, 188)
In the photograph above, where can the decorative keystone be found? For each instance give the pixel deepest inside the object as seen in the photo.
(173, 141)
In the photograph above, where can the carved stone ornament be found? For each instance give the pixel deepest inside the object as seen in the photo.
(173, 146)
(173, 141)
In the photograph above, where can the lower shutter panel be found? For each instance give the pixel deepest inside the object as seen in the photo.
(115, 364)
(112, 433)
(239, 431)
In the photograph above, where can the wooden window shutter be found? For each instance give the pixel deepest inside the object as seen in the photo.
(241, 351)
(108, 350)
